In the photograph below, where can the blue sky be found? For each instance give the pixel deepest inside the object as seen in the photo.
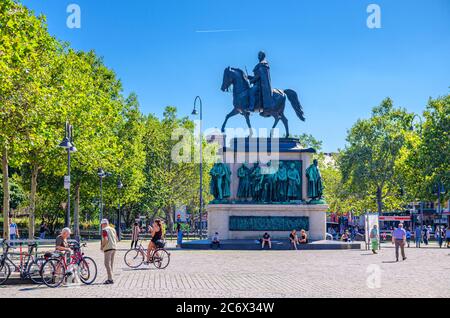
(320, 48)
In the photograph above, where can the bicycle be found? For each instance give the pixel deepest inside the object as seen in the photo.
(30, 269)
(59, 266)
(135, 258)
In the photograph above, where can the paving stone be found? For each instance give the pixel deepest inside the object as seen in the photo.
(267, 274)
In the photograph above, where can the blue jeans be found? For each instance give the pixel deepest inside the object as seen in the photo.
(12, 237)
(180, 238)
(42, 236)
(417, 241)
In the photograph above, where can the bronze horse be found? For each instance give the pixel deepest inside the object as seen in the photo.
(241, 87)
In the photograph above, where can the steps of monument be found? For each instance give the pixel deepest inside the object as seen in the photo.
(278, 245)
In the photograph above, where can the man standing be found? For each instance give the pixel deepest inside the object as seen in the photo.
(262, 86)
(399, 239)
(13, 230)
(108, 246)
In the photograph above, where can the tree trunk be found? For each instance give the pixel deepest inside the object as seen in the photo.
(76, 212)
(32, 210)
(169, 218)
(380, 200)
(5, 193)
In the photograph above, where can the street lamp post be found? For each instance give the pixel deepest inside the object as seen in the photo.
(67, 144)
(440, 190)
(102, 174)
(119, 187)
(421, 201)
(195, 113)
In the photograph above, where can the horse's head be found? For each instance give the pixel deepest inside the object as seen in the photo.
(227, 79)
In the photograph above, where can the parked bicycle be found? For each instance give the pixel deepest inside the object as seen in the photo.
(29, 267)
(59, 266)
(135, 258)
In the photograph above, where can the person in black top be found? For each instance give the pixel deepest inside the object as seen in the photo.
(42, 231)
(266, 239)
(303, 237)
(156, 233)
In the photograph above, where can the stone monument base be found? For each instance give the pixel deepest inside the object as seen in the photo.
(251, 221)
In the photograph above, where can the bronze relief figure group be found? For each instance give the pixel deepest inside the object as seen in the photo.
(269, 184)
(281, 183)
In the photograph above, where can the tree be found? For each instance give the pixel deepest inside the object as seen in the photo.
(368, 163)
(169, 183)
(92, 95)
(130, 165)
(435, 147)
(424, 162)
(23, 47)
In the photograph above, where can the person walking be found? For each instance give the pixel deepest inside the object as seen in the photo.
(374, 239)
(179, 235)
(135, 235)
(408, 237)
(108, 246)
(447, 236)
(425, 235)
(439, 236)
(399, 239)
(418, 236)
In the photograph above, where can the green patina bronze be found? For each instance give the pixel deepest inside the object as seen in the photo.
(244, 189)
(315, 186)
(279, 182)
(256, 182)
(220, 181)
(268, 223)
(294, 183)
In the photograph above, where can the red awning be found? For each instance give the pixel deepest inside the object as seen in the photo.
(395, 218)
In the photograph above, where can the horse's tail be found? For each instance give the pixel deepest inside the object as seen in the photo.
(293, 99)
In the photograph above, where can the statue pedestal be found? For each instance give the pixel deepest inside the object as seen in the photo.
(251, 150)
(251, 221)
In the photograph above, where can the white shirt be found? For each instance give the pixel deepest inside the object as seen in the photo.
(13, 229)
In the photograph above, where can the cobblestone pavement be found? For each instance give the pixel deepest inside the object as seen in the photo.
(192, 274)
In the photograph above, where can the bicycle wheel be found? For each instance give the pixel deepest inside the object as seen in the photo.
(53, 273)
(34, 271)
(88, 270)
(134, 258)
(161, 259)
(5, 271)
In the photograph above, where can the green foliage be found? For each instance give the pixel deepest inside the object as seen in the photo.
(17, 194)
(44, 83)
(425, 161)
(170, 183)
(369, 162)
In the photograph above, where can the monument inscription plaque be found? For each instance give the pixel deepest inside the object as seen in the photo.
(268, 223)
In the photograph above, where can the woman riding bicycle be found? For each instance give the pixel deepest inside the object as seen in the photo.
(156, 232)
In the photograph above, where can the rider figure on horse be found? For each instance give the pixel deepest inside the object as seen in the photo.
(261, 93)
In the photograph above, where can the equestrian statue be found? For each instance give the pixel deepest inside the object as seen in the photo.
(254, 94)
